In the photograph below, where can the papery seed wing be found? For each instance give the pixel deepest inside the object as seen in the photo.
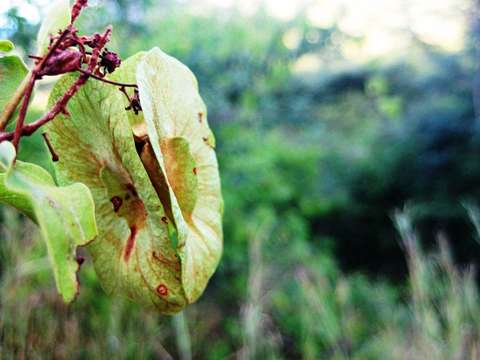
(133, 254)
(183, 144)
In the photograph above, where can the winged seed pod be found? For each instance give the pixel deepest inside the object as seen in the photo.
(153, 176)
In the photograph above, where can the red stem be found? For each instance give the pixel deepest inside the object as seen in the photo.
(31, 83)
(59, 107)
(23, 109)
(106, 80)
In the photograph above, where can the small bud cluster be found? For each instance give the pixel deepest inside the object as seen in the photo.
(69, 52)
(109, 61)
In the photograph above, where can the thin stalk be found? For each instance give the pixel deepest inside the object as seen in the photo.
(182, 336)
(106, 80)
(23, 109)
(50, 147)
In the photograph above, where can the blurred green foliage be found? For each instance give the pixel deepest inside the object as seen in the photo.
(313, 166)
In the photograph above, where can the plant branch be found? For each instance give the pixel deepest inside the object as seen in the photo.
(23, 109)
(53, 48)
(33, 76)
(66, 53)
(22, 90)
(60, 105)
(106, 80)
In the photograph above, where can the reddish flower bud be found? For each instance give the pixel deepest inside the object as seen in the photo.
(109, 61)
(61, 62)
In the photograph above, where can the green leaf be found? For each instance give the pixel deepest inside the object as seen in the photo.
(56, 19)
(158, 200)
(6, 46)
(65, 214)
(12, 73)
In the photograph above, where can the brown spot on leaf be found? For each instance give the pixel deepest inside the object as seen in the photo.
(162, 290)
(164, 219)
(171, 263)
(117, 203)
(195, 170)
(130, 243)
(200, 117)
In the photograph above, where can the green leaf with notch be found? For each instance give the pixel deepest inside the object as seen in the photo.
(65, 215)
